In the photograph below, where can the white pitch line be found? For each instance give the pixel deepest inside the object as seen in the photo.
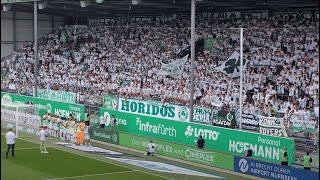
(71, 177)
(100, 160)
(22, 148)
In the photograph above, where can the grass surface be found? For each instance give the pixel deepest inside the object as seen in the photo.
(29, 163)
(65, 163)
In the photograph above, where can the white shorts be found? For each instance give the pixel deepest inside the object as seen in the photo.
(87, 137)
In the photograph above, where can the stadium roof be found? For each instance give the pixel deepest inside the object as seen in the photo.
(113, 7)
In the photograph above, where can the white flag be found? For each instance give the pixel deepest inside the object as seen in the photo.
(231, 66)
(173, 69)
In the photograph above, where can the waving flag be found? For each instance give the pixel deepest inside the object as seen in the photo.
(231, 66)
(173, 69)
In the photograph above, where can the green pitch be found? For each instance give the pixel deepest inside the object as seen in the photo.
(29, 164)
(64, 163)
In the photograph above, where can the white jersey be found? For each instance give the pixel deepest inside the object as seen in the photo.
(10, 136)
(86, 132)
(56, 126)
(71, 130)
(103, 120)
(50, 126)
(151, 147)
(42, 135)
(63, 129)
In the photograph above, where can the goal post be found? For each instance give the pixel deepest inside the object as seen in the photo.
(19, 116)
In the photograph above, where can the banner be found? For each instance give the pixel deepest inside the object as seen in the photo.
(173, 69)
(26, 129)
(27, 123)
(272, 126)
(58, 108)
(216, 138)
(110, 102)
(63, 96)
(202, 115)
(154, 109)
(231, 66)
(105, 135)
(271, 171)
(159, 110)
(250, 120)
(22, 118)
(209, 43)
(300, 126)
(216, 159)
(223, 119)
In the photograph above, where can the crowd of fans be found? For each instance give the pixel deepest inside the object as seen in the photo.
(281, 76)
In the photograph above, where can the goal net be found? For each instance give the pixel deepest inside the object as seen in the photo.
(19, 117)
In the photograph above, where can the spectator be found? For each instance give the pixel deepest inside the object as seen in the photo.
(200, 142)
(10, 137)
(113, 123)
(103, 120)
(284, 157)
(42, 136)
(151, 148)
(307, 160)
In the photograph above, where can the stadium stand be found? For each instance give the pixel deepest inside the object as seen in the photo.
(281, 76)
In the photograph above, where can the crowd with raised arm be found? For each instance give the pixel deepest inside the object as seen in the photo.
(281, 75)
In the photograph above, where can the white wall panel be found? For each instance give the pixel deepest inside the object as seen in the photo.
(44, 17)
(22, 15)
(24, 30)
(58, 24)
(6, 30)
(43, 28)
(58, 18)
(19, 44)
(6, 49)
(6, 14)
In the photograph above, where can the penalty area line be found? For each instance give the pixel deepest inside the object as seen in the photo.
(95, 158)
(90, 175)
(21, 149)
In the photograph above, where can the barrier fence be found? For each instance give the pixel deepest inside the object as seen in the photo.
(150, 113)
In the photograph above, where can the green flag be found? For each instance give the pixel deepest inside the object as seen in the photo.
(208, 43)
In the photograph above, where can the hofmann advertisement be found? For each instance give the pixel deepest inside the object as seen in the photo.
(58, 108)
(216, 138)
(271, 171)
(220, 160)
